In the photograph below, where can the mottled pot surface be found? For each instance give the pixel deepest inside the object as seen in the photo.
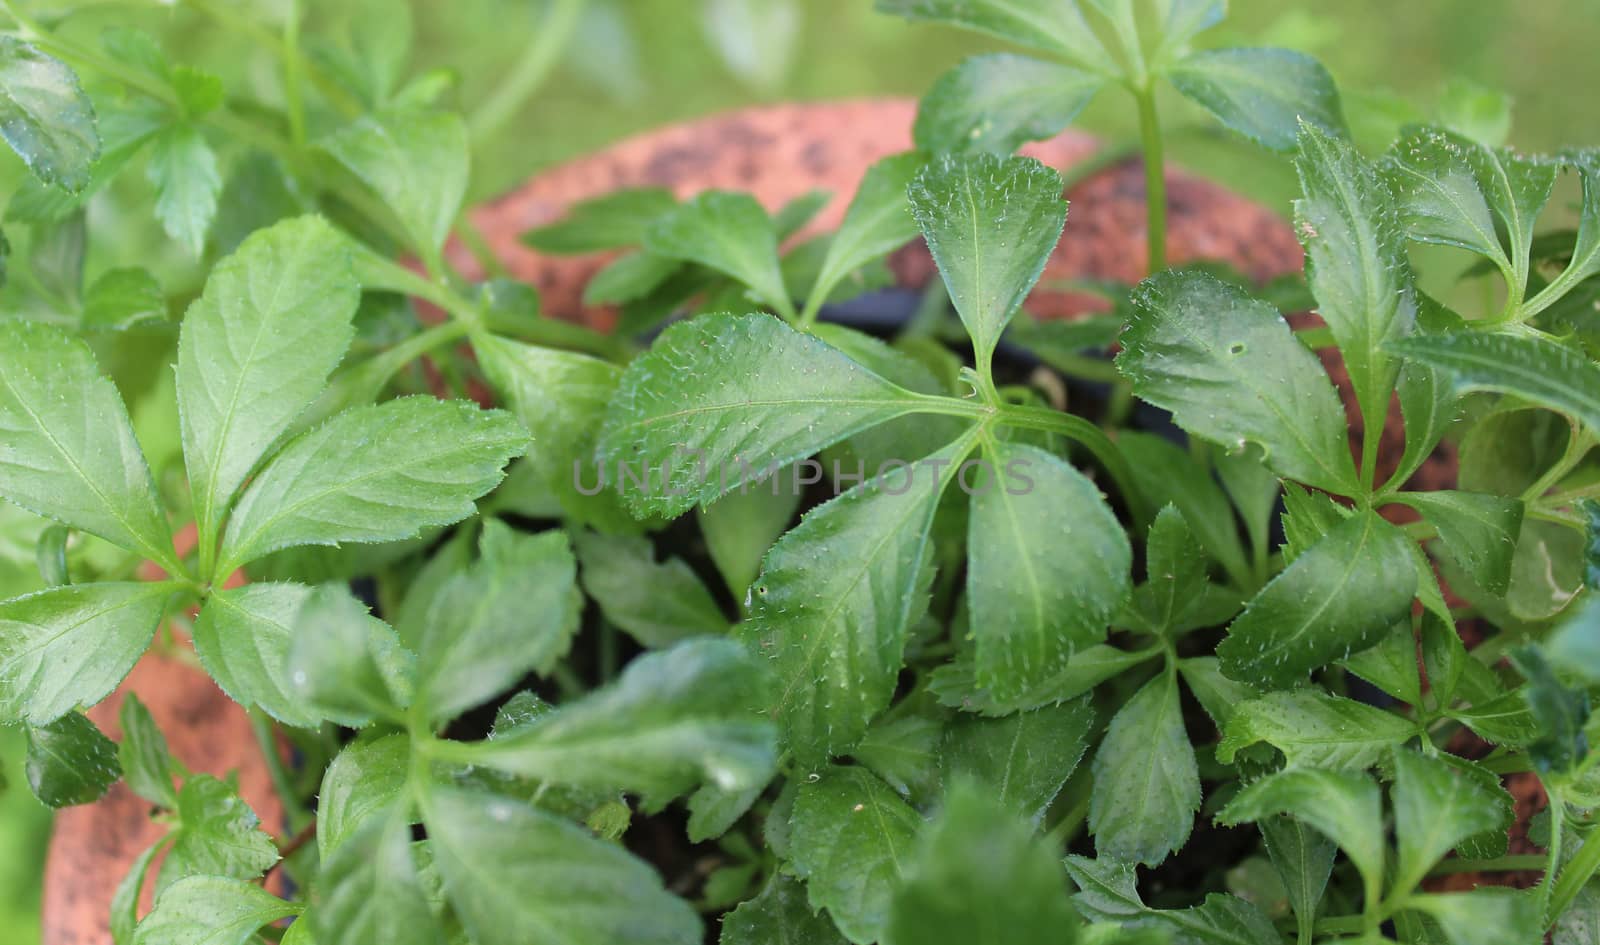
(777, 153)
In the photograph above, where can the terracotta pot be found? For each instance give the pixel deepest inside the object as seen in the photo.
(777, 153)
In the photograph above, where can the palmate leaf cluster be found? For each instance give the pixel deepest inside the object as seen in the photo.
(1016, 666)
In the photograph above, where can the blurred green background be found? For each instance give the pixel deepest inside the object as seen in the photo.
(636, 64)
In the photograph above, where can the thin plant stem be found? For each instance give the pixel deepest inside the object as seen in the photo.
(1155, 181)
(530, 71)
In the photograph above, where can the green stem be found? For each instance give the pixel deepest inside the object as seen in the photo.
(530, 72)
(1091, 438)
(1513, 863)
(1580, 869)
(1558, 817)
(294, 810)
(1155, 181)
(293, 92)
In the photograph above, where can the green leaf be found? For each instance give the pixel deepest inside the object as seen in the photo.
(254, 352)
(213, 910)
(1175, 568)
(674, 719)
(1109, 893)
(878, 221)
(1428, 406)
(1314, 729)
(243, 638)
(740, 527)
(1218, 695)
(979, 876)
(561, 398)
(370, 891)
(1055, 26)
(1356, 263)
(364, 779)
(417, 161)
(629, 278)
(513, 611)
(1262, 93)
(955, 684)
(1022, 760)
(1168, 474)
(1487, 916)
(347, 663)
(1344, 807)
(835, 599)
(125, 901)
(1436, 807)
(1440, 196)
(1339, 596)
(996, 102)
(852, 839)
(1560, 713)
(124, 298)
(372, 474)
(146, 763)
(45, 115)
(728, 232)
(1479, 531)
(613, 220)
(904, 749)
(990, 223)
(779, 916)
(1146, 781)
(723, 398)
(1537, 370)
(70, 761)
(71, 645)
(219, 835)
(1304, 860)
(183, 171)
(1230, 371)
(70, 452)
(1392, 663)
(1457, 192)
(516, 874)
(656, 602)
(1034, 598)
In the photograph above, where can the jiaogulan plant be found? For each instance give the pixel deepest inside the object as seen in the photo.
(932, 662)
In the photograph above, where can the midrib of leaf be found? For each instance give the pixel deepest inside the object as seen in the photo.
(1350, 565)
(1011, 756)
(1513, 212)
(888, 837)
(1433, 832)
(1271, 402)
(165, 587)
(1534, 380)
(310, 498)
(208, 511)
(839, 601)
(963, 445)
(1367, 239)
(905, 408)
(1036, 596)
(1148, 787)
(164, 558)
(977, 266)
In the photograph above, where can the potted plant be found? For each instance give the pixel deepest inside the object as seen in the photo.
(779, 629)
